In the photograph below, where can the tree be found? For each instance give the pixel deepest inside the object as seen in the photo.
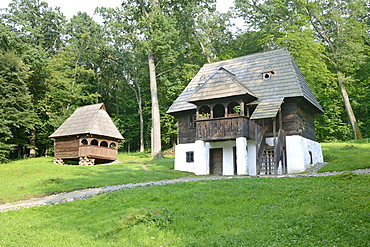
(152, 32)
(338, 26)
(16, 114)
(35, 32)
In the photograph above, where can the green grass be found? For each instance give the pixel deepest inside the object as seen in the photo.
(316, 211)
(37, 177)
(346, 156)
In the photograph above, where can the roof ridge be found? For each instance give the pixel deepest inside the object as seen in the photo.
(95, 116)
(248, 55)
(298, 81)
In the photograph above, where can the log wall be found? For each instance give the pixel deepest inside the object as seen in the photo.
(297, 119)
(186, 132)
(66, 147)
(72, 147)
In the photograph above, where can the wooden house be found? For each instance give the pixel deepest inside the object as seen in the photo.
(88, 136)
(248, 115)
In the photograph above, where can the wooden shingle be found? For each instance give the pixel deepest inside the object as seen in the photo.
(90, 119)
(286, 81)
(220, 85)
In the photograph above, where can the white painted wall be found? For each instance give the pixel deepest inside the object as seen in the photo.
(180, 157)
(242, 156)
(227, 159)
(299, 153)
(201, 158)
(252, 156)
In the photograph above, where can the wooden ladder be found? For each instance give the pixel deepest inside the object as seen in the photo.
(269, 157)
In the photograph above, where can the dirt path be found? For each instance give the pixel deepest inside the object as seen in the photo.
(87, 193)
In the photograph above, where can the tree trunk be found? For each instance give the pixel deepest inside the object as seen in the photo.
(137, 91)
(33, 144)
(156, 123)
(141, 125)
(347, 104)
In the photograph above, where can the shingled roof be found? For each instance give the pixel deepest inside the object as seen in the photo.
(220, 85)
(287, 81)
(90, 119)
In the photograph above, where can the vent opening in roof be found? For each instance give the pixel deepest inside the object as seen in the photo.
(267, 75)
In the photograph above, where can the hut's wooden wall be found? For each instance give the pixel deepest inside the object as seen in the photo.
(72, 147)
(66, 147)
(186, 132)
(298, 118)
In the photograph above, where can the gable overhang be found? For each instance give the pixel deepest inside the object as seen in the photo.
(222, 84)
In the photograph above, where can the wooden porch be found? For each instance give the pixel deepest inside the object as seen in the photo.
(98, 152)
(227, 128)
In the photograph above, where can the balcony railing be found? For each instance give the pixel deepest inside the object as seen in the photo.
(224, 128)
(98, 152)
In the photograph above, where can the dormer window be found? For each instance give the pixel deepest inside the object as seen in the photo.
(267, 75)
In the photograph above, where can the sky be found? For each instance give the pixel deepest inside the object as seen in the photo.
(71, 7)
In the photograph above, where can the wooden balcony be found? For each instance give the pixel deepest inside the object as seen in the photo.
(98, 152)
(226, 128)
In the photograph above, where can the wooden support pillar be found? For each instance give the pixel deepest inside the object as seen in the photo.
(242, 113)
(274, 130)
(280, 119)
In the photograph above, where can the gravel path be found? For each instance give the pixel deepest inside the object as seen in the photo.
(87, 193)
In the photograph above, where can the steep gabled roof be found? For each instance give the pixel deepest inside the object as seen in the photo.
(287, 80)
(90, 119)
(220, 85)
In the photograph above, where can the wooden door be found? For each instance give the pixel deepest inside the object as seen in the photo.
(215, 161)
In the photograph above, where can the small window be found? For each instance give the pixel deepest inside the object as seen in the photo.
(112, 145)
(204, 111)
(311, 157)
(192, 123)
(104, 144)
(219, 111)
(233, 108)
(84, 142)
(190, 156)
(94, 142)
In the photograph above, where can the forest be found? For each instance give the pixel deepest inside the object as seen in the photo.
(144, 53)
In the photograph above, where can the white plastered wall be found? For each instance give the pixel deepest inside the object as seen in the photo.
(227, 156)
(301, 153)
(252, 158)
(242, 156)
(200, 166)
(245, 152)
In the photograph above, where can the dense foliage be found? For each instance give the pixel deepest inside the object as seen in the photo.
(49, 66)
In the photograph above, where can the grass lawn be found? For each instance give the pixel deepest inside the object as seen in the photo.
(37, 177)
(346, 156)
(316, 211)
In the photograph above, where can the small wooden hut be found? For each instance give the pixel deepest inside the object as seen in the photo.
(88, 136)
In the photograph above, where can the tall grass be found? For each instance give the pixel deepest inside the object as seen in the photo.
(37, 177)
(346, 156)
(323, 211)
